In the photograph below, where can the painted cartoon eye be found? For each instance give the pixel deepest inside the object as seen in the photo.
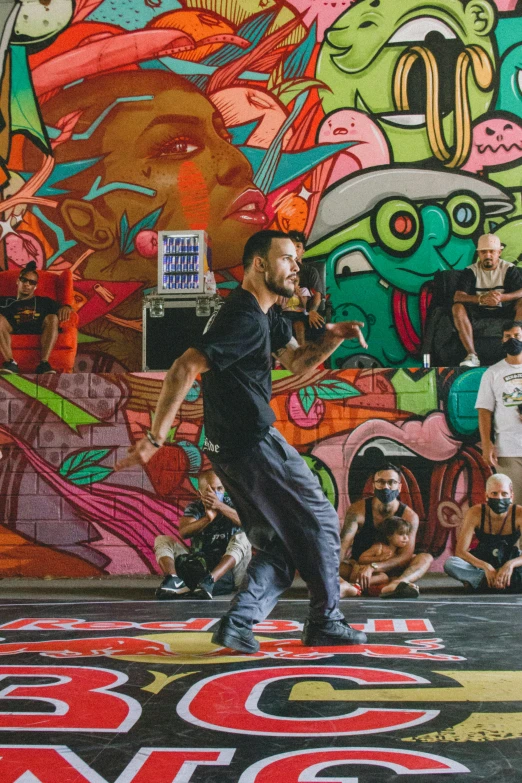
(397, 226)
(352, 263)
(465, 214)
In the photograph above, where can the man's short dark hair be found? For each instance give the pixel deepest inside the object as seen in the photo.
(297, 236)
(30, 267)
(507, 325)
(387, 466)
(259, 245)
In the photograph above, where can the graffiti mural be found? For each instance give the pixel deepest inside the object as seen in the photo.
(65, 512)
(122, 119)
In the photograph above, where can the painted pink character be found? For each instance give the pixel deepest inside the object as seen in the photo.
(496, 141)
(350, 125)
(241, 105)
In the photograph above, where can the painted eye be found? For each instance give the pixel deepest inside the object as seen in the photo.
(397, 226)
(178, 146)
(465, 214)
(351, 264)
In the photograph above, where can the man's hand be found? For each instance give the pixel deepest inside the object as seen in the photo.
(491, 299)
(139, 454)
(64, 313)
(489, 452)
(504, 575)
(348, 330)
(364, 576)
(315, 319)
(211, 514)
(491, 574)
(210, 500)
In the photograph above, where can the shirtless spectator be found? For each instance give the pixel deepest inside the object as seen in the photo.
(360, 531)
(495, 562)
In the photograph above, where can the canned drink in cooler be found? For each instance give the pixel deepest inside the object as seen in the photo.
(183, 281)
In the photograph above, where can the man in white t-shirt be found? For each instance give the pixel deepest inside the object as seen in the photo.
(499, 403)
(490, 288)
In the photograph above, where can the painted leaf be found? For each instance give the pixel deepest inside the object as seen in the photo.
(307, 396)
(89, 475)
(146, 223)
(193, 454)
(124, 231)
(295, 64)
(82, 459)
(289, 90)
(336, 390)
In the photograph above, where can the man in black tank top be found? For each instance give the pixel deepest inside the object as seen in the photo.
(495, 562)
(359, 533)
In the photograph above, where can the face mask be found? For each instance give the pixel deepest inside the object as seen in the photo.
(499, 505)
(512, 347)
(386, 495)
(220, 496)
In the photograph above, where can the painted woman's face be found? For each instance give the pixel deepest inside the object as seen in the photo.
(177, 145)
(162, 146)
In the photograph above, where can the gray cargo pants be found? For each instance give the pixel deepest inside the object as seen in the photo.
(288, 519)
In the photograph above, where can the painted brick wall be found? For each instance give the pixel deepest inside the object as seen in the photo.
(65, 512)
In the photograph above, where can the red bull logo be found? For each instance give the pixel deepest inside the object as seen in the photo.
(287, 649)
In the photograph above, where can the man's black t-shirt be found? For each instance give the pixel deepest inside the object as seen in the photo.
(238, 344)
(26, 316)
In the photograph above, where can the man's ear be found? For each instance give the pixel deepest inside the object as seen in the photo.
(87, 225)
(259, 263)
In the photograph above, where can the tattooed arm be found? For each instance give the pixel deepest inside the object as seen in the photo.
(300, 359)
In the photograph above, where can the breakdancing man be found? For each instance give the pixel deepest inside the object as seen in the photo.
(280, 503)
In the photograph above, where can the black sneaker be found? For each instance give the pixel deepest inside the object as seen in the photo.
(235, 637)
(11, 367)
(172, 587)
(44, 368)
(205, 588)
(330, 633)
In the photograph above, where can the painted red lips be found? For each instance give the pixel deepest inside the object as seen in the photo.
(249, 208)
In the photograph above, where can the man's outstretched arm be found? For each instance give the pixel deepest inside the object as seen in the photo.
(302, 359)
(175, 388)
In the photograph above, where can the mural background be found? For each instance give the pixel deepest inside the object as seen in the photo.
(64, 512)
(390, 132)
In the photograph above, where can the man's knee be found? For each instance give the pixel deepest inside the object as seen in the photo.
(239, 548)
(166, 546)
(459, 312)
(5, 326)
(50, 321)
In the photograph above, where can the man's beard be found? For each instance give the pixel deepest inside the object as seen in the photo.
(276, 288)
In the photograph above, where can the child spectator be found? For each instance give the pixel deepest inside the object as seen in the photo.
(219, 551)
(392, 537)
(294, 309)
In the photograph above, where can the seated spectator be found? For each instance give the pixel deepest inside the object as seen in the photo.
(489, 288)
(362, 524)
(494, 562)
(309, 278)
(30, 314)
(219, 552)
(294, 309)
(392, 536)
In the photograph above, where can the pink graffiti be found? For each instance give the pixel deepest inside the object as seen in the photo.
(22, 247)
(147, 243)
(241, 105)
(136, 517)
(324, 12)
(495, 142)
(83, 8)
(350, 125)
(117, 51)
(506, 5)
(430, 438)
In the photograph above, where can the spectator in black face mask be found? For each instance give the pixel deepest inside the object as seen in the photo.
(495, 562)
(361, 530)
(498, 403)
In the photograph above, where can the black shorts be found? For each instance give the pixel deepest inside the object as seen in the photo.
(477, 312)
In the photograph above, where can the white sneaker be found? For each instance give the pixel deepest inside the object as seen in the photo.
(471, 360)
